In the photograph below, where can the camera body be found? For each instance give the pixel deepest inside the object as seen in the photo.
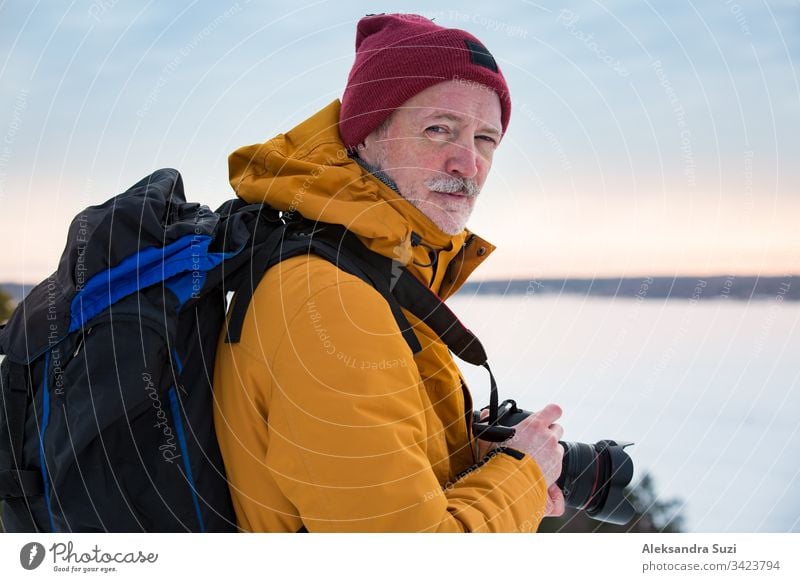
(593, 477)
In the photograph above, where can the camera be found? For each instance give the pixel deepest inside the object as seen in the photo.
(593, 477)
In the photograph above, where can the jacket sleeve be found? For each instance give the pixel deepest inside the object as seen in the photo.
(347, 431)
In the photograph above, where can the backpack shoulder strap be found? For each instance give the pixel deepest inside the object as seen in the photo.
(299, 238)
(262, 257)
(407, 291)
(338, 246)
(15, 394)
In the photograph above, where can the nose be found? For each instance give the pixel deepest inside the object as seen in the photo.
(463, 160)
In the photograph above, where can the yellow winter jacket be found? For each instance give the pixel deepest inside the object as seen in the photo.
(324, 417)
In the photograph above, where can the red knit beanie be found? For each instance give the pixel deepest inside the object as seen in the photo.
(399, 55)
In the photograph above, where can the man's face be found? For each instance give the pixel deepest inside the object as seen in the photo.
(438, 149)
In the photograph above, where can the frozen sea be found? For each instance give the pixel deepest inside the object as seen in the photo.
(708, 390)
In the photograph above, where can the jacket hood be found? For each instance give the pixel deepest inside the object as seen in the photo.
(308, 170)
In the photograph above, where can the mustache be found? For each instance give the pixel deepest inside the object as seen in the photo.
(451, 185)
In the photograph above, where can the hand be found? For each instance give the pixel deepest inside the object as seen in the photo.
(538, 436)
(555, 502)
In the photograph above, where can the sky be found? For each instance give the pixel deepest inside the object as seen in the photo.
(646, 138)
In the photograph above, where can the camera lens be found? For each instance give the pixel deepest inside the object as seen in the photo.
(594, 477)
(579, 474)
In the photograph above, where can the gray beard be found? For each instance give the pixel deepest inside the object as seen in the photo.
(447, 186)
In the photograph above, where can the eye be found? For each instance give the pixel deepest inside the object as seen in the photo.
(436, 129)
(487, 139)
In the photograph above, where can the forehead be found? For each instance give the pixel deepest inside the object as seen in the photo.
(461, 100)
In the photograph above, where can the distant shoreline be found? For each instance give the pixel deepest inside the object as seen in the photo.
(740, 288)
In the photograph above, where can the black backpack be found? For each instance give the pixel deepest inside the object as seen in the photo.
(107, 404)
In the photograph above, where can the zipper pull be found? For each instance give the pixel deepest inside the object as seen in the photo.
(80, 343)
(78, 349)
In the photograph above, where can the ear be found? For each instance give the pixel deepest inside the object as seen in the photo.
(367, 149)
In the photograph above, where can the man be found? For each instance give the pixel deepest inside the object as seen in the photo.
(326, 420)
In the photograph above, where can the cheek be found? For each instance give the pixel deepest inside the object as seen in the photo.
(484, 167)
(408, 168)
(419, 155)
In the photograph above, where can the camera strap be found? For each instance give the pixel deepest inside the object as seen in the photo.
(417, 298)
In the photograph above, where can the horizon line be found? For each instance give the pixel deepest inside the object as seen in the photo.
(569, 277)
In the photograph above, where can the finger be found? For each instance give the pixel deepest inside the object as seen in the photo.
(549, 414)
(484, 414)
(558, 430)
(556, 509)
(555, 499)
